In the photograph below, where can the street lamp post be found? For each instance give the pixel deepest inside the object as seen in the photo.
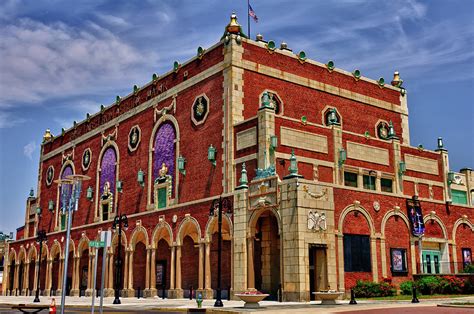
(40, 238)
(118, 221)
(220, 204)
(71, 188)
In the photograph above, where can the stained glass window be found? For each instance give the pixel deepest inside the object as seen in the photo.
(164, 150)
(108, 170)
(67, 171)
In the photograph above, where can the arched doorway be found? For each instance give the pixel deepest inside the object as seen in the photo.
(43, 266)
(226, 254)
(434, 247)
(70, 268)
(139, 269)
(55, 269)
(162, 267)
(187, 256)
(266, 252)
(11, 275)
(32, 272)
(83, 271)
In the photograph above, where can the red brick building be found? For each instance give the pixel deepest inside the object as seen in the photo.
(335, 192)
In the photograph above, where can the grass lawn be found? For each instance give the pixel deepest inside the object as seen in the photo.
(419, 296)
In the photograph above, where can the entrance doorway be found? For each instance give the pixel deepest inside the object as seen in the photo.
(431, 261)
(318, 273)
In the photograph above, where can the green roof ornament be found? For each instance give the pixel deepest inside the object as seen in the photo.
(381, 82)
(397, 81)
(200, 52)
(32, 193)
(135, 89)
(302, 56)
(88, 117)
(330, 65)
(271, 45)
(154, 77)
(332, 117)
(63, 131)
(102, 108)
(233, 28)
(356, 74)
(304, 120)
(118, 99)
(391, 132)
(176, 66)
(243, 178)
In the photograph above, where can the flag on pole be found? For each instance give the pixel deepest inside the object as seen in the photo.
(252, 14)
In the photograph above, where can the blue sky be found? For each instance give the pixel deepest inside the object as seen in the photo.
(61, 59)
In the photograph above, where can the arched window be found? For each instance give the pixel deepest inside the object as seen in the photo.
(107, 178)
(65, 192)
(164, 157)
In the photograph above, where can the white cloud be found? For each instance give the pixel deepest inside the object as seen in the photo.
(42, 61)
(8, 121)
(29, 149)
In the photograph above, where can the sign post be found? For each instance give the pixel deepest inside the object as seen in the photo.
(97, 245)
(106, 237)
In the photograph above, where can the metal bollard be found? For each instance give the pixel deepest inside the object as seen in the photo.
(163, 295)
(414, 299)
(280, 293)
(353, 300)
(138, 292)
(191, 293)
(228, 293)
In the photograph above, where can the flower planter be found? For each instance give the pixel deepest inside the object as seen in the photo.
(251, 300)
(327, 297)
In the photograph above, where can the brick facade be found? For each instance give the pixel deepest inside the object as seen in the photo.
(268, 236)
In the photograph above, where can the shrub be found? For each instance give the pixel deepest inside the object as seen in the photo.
(469, 268)
(429, 285)
(369, 289)
(451, 285)
(406, 287)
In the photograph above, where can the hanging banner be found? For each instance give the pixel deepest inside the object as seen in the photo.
(416, 217)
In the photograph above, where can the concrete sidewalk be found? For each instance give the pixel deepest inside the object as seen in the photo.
(161, 305)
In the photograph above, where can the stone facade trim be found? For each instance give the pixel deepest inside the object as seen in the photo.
(247, 138)
(304, 140)
(421, 164)
(367, 153)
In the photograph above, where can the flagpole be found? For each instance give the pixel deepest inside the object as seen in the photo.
(248, 17)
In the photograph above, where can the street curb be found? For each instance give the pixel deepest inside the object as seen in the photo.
(465, 306)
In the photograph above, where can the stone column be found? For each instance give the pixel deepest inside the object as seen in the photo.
(373, 252)
(153, 290)
(175, 291)
(131, 291)
(205, 269)
(125, 274)
(26, 279)
(89, 274)
(60, 276)
(147, 272)
(75, 277)
(16, 278)
(383, 257)
(35, 281)
(250, 264)
(49, 277)
(109, 291)
(201, 270)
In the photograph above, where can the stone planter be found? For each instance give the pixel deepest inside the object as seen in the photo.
(328, 297)
(251, 300)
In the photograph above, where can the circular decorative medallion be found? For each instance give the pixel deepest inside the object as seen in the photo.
(134, 137)
(86, 159)
(200, 109)
(49, 175)
(376, 206)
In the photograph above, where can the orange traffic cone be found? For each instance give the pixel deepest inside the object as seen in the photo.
(52, 307)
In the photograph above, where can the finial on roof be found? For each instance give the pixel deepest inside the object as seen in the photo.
(233, 28)
(397, 82)
(47, 135)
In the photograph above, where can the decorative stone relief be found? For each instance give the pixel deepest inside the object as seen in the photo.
(163, 111)
(49, 175)
(200, 109)
(376, 206)
(86, 159)
(317, 221)
(134, 138)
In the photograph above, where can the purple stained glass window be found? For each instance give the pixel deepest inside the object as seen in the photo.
(65, 188)
(108, 170)
(164, 150)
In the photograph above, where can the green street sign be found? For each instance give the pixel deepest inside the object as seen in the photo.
(97, 244)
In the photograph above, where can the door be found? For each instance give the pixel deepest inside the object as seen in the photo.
(318, 280)
(431, 261)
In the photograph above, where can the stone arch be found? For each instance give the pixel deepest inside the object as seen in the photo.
(253, 219)
(109, 144)
(32, 252)
(82, 245)
(22, 255)
(189, 226)
(162, 231)
(212, 222)
(115, 239)
(72, 248)
(56, 249)
(58, 213)
(392, 213)
(360, 209)
(135, 238)
(436, 218)
(163, 119)
(458, 223)
(67, 163)
(12, 256)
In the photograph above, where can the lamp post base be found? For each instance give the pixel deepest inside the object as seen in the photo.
(218, 303)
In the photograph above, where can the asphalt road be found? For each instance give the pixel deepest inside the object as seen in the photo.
(72, 310)
(415, 310)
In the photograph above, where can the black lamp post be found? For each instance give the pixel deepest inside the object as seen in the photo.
(118, 221)
(40, 238)
(220, 204)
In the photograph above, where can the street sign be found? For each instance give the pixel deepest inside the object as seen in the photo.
(97, 244)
